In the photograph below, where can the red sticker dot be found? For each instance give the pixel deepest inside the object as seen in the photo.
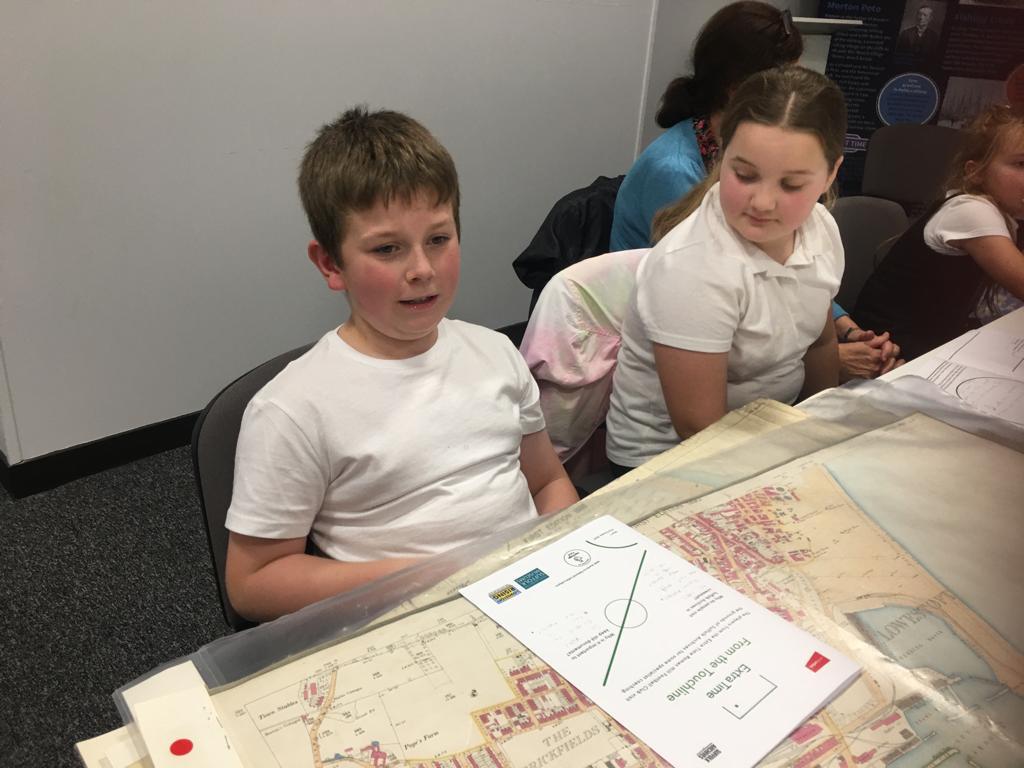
(181, 747)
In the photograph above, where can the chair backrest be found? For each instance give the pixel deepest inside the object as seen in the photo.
(868, 227)
(572, 342)
(213, 459)
(514, 332)
(909, 163)
(578, 226)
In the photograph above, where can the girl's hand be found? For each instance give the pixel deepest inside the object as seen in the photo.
(860, 360)
(867, 355)
(883, 341)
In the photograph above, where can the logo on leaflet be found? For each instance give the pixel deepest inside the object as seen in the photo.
(816, 662)
(501, 594)
(709, 753)
(527, 580)
(577, 558)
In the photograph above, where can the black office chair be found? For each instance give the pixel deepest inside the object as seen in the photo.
(213, 460)
(578, 226)
(515, 332)
(909, 163)
(868, 226)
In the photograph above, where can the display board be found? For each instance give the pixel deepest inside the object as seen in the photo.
(922, 61)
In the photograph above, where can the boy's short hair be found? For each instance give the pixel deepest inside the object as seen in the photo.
(364, 158)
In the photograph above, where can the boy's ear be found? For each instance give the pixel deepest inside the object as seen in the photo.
(326, 265)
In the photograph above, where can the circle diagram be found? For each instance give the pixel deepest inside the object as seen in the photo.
(995, 395)
(615, 611)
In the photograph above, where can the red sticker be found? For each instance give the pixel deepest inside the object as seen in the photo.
(181, 747)
(816, 662)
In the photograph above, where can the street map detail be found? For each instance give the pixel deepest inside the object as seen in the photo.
(445, 687)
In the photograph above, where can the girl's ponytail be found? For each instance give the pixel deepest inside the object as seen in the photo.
(678, 103)
(739, 39)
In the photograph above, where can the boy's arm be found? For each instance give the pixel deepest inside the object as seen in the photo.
(267, 578)
(549, 485)
(821, 361)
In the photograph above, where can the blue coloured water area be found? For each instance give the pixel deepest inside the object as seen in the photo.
(917, 638)
(974, 706)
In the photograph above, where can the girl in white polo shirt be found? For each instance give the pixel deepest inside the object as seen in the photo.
(733, 303)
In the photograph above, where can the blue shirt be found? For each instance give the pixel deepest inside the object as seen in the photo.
(666, 170)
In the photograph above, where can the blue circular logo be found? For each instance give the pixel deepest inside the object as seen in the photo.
(909, 98)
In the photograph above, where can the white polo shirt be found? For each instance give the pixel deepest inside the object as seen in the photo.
(703, 288)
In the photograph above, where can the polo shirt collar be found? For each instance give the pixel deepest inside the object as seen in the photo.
(811, 241)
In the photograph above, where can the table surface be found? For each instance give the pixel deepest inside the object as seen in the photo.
(747, 436)
(921, 366)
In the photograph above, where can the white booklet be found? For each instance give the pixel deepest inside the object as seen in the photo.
(704, 675)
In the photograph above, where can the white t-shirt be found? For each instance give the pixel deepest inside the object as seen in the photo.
(964, 217)
(572, 344)
(388, 458)
(704, 288)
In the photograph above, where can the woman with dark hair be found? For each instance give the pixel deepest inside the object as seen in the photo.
(740, 39)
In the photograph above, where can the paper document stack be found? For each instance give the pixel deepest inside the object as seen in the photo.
(701, 673)
(984, 368)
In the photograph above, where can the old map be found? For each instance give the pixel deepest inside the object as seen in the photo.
(943, 671)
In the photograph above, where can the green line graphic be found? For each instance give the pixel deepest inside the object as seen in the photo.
(624, 615)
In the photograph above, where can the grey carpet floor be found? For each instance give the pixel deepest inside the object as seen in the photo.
(101, 580)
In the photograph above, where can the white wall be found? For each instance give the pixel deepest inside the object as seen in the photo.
(151, 241)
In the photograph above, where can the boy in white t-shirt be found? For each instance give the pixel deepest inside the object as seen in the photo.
(401, 433)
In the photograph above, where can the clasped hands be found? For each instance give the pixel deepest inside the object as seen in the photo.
(866, 354)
